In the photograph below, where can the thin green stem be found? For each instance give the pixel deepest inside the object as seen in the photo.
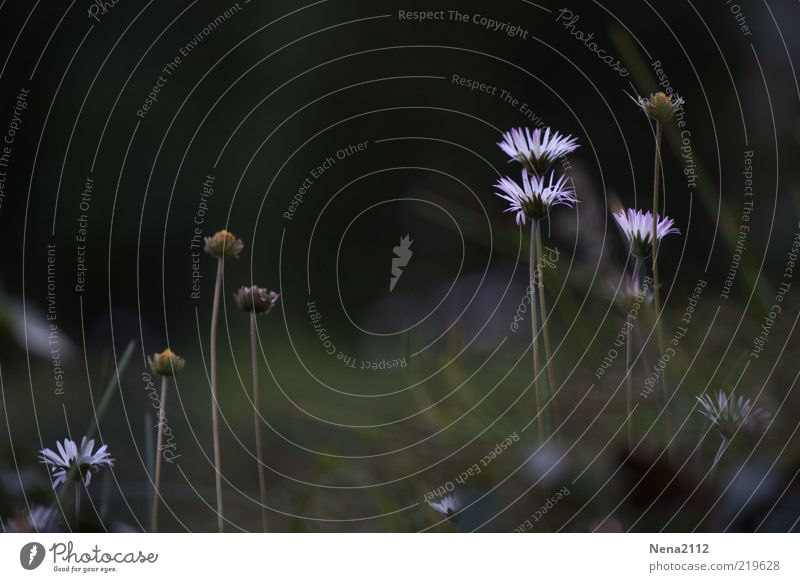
(629, 361)
(262, 483)
(78, 500)
(548, 352)
(722, 446)
(162, 419)
(214, 404)
(535, 330)
(629, 386)
(656, 293)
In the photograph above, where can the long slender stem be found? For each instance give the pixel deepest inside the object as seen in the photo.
(656, 292)
(720, 450)
(629, 385)
(629, 362)
(214, 418)
(629, 359)
(535, 330)
(548, 352)
(162, 419)
(78, 500)
(262, 483)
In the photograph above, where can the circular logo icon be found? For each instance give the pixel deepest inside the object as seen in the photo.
(31, 555)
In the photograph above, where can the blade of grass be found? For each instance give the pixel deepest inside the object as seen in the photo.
(111, 389)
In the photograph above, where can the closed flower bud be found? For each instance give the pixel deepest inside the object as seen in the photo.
(224, 245)
(255, 299)
(167, 363)
(660, 106)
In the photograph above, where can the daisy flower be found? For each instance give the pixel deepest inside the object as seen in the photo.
(536, 150)
(637, 226)
(39, 519)
(449, 505)
(535, 197)
(659, 106)
(71, 456)
(728, 413)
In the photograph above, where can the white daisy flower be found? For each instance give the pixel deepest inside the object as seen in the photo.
(39, 519)
(449, 505)
(536, 150)
(637, 226)
(69, 455)
(728, 413)
(659, 106)
(535, 197)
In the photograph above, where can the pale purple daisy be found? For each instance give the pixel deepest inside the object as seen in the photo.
(70, 456)
(535, 197)
(40, 519)
(536, 150)
(728, 413)
(449, 505)
(637, 226)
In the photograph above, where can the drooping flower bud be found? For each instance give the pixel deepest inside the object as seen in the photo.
(167, 363)
(224, 245)
(254, 298)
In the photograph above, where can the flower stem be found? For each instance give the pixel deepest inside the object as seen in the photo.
(262, 484)
(535, 330)
(162, 416)
(629, 361)
(629, 387)
(214, 418)
(78, 500)
(548, 353)
(656, 292)
(720, 450)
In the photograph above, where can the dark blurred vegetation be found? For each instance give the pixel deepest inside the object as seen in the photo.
(357, 450)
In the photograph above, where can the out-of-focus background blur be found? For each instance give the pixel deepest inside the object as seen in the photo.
(321, 134)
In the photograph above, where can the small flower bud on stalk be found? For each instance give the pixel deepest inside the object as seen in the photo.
(166, 364)
(223, 245)
(659, 106)
(255, 300)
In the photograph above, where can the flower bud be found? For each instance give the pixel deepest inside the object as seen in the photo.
(224, 245)
(167, 363)
(660, 106)
(255, 299)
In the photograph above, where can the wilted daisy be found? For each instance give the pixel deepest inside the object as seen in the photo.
(637, 226)
(449, 505)
(536, 150)
(659, 106)
(728, 413)
(71, 456)
(39, 519)
(256, 299)
(535, 197)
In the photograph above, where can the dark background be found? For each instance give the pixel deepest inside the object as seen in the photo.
(272, 93)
